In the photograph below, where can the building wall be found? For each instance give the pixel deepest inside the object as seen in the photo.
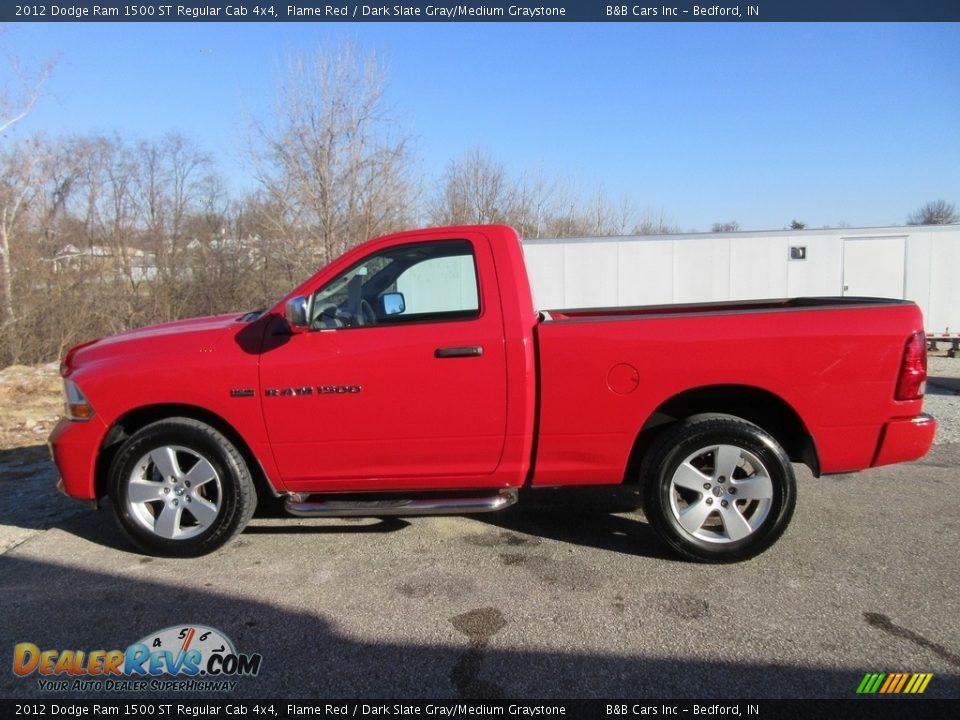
(642, 270)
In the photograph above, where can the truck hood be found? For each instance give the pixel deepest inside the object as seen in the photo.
(193, 335)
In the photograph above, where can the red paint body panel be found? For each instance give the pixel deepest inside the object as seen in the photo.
(578, 387)
(836, 367)
(905, 440)
(188, 365)
(420, 422)
(74, 446)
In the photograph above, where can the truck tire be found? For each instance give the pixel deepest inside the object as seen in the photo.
(717, 488)
(179, 488)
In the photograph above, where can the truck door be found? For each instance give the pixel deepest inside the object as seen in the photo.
(401, 376)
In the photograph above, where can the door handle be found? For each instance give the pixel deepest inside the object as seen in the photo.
(458, 352)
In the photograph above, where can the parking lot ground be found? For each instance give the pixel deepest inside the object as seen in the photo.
(567, 595)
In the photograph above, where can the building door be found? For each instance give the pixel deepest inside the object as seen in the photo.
(874, 267)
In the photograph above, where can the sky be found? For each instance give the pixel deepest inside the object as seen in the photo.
(759, 123)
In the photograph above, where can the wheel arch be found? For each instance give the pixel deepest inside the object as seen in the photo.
(134, 420)
(761, 407)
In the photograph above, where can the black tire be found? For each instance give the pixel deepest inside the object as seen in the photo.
(179, 488)
(730, 518)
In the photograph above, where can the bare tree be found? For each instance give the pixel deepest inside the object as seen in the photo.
(474, 190)
(478, 189)
(20, 177)
(725, 227)
(654, 222)
(23, 172)
(935, 212)
(565, 218)
(600, 216)
(604, 217)
(173, 183)
(332, 163)
(111, 234)
(18, 98)
(532, 199)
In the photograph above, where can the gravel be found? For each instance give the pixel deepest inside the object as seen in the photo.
(943, 397)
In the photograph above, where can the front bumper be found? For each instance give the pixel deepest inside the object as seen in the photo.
(92, 504)
(905, 440)
(74, 447)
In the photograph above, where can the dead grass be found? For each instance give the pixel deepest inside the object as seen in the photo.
(31, 403)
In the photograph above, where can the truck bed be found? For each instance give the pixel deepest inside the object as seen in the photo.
(728, 307)
(605, 372)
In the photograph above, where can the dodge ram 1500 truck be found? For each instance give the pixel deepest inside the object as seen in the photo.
(414, 376)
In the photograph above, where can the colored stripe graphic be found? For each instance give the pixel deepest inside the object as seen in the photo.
(918, 683)
(903, 679)
(870, 683)
(891, 680)
(894, 683)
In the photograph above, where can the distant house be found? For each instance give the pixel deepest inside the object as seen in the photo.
(103, 263)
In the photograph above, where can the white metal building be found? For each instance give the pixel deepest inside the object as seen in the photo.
(918, 263)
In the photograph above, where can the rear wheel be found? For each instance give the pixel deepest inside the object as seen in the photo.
(180, 488)
(718, 489)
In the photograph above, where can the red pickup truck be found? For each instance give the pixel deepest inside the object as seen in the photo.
(414, 376)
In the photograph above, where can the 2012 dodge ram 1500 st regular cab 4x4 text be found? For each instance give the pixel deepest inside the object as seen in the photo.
(413, 375)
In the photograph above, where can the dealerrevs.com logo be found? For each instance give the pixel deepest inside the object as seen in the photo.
(188, 658)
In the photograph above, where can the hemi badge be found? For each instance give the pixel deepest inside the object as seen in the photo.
(242, 392)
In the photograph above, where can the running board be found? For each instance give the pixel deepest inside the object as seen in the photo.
(298, 505)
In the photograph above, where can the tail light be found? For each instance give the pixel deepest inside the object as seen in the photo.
(913, 371)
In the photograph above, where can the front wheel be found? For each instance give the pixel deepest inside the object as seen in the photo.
(180, 488)
(718, 489)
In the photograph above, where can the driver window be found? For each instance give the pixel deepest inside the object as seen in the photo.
(422, 282)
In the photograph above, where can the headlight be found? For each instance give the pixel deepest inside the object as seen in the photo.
(78, 407)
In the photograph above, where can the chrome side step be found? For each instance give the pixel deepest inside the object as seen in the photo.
(301, 506)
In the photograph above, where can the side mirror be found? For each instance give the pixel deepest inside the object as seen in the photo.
(296, 312)
(393, 303)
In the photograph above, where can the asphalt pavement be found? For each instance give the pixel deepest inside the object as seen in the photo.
(567, 595)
